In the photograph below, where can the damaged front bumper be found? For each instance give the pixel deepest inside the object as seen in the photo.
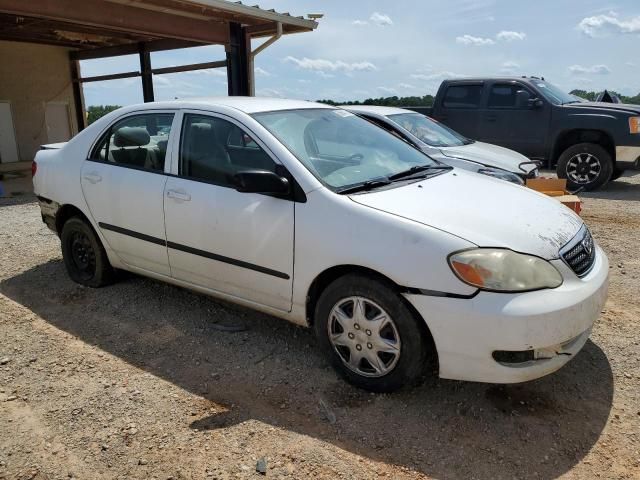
(511, 338)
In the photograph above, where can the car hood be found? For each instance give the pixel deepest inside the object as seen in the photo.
(490, 155)
(608, 107)
(482, 210)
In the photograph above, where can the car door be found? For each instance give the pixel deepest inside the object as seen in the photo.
(239, 244)
(460, 109)
(514, 117)
(123, 183)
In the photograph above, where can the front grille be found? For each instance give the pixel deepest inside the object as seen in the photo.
(580, 252)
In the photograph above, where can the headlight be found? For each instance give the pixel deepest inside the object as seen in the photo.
(634, 124)
(501, 270)
(502, 175)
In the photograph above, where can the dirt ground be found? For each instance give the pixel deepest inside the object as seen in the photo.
(139, 381)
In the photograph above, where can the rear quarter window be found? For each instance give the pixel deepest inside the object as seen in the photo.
(463, 96)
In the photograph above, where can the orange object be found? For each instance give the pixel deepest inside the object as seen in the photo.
(557, 188)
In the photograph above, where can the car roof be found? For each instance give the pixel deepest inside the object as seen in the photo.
(504, 78)
(244, 104)
(384, 111)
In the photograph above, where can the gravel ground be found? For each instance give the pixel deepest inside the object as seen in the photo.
(138, 381)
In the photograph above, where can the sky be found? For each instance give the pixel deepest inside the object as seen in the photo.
(377, 48)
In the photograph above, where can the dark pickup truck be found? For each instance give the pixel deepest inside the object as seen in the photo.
(589, 143)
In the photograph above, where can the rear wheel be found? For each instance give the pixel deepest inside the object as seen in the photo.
(84, 255)
(586, 166)
(370, 336)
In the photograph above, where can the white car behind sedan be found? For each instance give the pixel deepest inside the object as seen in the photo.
(447, 146)
(314, 215)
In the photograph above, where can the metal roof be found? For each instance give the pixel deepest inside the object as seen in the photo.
(93, 24)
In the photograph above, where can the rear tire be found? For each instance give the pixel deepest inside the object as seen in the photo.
(370, 335)
(586, 166)
(84, 256)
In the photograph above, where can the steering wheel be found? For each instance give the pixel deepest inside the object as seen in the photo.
(356, 158)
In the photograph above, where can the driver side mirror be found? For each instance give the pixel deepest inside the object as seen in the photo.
(535, 103)
(261, 181)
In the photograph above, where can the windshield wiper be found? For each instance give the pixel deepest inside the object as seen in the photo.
(364, 186)
(416, 169)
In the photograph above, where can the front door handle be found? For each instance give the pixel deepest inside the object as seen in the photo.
(92, 177)
(491, 118)
(178, 195)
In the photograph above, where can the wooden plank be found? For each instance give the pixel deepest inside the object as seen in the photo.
(113, 76)
(190, 67)
(78, 97)
(147, 76)
(120, 17)
(131, 49)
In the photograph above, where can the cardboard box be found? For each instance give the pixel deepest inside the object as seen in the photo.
(557, 188)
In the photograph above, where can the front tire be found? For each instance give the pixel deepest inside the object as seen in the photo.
(369, 334)
(84, 256)
(586, 166)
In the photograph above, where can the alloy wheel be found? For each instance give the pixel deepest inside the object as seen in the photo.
(583, 168)
(364, 336)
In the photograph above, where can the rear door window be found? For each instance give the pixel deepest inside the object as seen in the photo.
(463, 96)
(138, 141)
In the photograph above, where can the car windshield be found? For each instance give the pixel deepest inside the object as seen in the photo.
(341, 149)
(428, 130)
(554, 94)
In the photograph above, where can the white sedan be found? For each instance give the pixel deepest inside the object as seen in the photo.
(314, 215)
(447, 146)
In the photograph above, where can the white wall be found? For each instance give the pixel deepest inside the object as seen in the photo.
(30, 76)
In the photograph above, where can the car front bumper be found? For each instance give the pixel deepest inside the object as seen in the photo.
(628, 157)
(543, 329)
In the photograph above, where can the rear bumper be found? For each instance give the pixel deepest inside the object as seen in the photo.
(544, 329)
(48, 211)
(628, 157)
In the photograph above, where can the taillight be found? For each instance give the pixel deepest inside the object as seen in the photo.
(34, 168)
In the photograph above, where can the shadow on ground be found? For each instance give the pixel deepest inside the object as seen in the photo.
(620, 189)
(272, 373)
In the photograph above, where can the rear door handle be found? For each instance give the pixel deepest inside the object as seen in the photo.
(92, 177)
(178, 195)
(491, 118)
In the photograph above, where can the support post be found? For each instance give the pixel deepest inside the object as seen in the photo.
(146, 73)
(78, 97)
(238, 53)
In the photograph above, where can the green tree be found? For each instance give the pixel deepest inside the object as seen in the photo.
(591, 96)
(94, 112)
(414, 101)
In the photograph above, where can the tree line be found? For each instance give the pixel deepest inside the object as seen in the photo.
(427, 100)
(95, 112)
(591, 96)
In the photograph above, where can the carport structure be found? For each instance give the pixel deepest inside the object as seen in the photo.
(91, 29)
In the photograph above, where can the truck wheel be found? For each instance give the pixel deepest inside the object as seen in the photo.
(585, 165)
(84, 255)
(370, 336)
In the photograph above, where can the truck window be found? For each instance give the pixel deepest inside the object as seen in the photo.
(508, 96)
(463, 96)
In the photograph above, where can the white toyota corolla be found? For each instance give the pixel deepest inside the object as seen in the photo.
(315, 215)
